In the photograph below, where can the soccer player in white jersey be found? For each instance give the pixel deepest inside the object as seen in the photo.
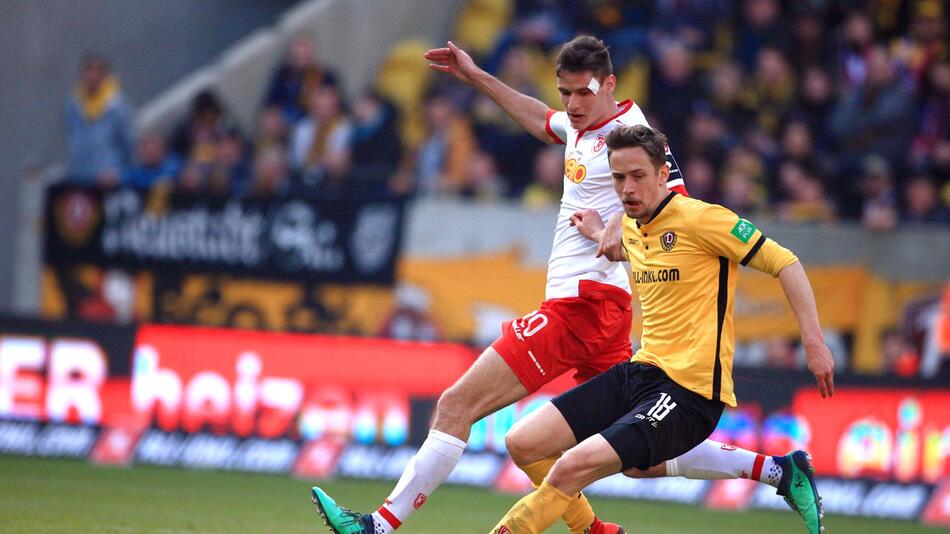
(584, 323)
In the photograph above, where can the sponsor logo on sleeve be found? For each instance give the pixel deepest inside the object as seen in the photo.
(743, 230)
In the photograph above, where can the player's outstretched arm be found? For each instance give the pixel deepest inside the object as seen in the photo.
(800, 296)
(529, 112)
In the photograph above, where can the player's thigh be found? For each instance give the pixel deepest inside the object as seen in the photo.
(596, 404)
(540, 434)
(588, 461)
(487, 386)
(666, 421)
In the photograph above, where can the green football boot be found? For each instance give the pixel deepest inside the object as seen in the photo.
(797, 487)
(340, 520)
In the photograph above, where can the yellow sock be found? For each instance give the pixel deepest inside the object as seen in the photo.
(535, 512)
(579, 516)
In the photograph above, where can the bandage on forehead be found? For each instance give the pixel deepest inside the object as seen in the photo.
(594, 85)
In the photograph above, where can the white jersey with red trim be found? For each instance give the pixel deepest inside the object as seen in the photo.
(588, 185)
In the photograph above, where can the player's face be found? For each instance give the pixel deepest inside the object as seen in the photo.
(585, 108)
(639, 184)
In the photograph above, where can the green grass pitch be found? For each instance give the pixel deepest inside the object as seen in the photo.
(42, 495)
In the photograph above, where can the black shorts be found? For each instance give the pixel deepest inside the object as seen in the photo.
(644, 415)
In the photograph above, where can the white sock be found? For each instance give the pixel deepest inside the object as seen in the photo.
(712, 460)
(426, 471)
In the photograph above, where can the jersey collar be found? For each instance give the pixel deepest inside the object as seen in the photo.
(622, 108)
(659, 208)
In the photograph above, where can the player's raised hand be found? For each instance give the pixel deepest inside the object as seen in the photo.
(588, 223)
(822, 365)
(453, 60)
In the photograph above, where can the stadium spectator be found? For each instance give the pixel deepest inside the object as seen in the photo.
(771, 91)
(320, 148)
(797, 142)
(411, 316)
(925, 43)
(707, 134)
(191, 179)
(780, 353)
(900, 357)
(807, 202)
(761, 25)
(876, 118)
(922, 202)
(547, 184)
(272, 130)
(725, 96)
(815, 103)
(376, 146)
(227, 174)
(442, 160)
(270, 177)
(153, 163)
(98, 126)
(195, 138)
(702, 179)
(295, 79)
(855, 49)
(740, 194)
(672, 87)
(811, 47)
(482, 181)
(935, 113)
(879, 206)
(512, 148)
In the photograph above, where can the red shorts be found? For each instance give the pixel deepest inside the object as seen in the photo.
(588, 333)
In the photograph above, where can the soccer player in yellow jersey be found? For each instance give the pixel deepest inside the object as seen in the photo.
(684, 256)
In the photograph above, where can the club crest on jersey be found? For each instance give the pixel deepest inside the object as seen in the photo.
(668, 240)
(600, 144)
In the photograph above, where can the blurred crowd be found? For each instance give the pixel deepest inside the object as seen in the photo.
(808, 111)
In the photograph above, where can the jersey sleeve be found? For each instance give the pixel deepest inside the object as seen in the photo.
(556, 126)
(676, 181)
(721, 232)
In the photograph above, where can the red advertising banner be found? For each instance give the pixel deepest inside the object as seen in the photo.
(245, 382)
(887, 434)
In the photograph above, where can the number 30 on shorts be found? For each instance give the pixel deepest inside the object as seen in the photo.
(533, 323)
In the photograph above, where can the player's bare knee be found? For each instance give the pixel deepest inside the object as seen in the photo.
(453, 409)
(521, 447)
(568, 469)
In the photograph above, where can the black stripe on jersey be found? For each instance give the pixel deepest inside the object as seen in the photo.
(755, 248)
(721, 302)
(660, 207)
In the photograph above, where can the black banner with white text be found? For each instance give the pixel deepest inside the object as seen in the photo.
(282, 238)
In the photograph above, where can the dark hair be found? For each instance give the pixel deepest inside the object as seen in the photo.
(652, 141)
(92, 58)
(585, 53)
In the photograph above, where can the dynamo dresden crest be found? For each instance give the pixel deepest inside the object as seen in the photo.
(668, 240)
(76, 214)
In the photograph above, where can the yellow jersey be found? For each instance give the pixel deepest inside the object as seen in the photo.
(684, 262)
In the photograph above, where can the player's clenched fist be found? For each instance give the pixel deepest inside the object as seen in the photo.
(453, 60)
(610, 244)
(588, 223)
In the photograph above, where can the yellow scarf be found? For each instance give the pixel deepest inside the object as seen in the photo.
(320, 139)
(95, 104)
